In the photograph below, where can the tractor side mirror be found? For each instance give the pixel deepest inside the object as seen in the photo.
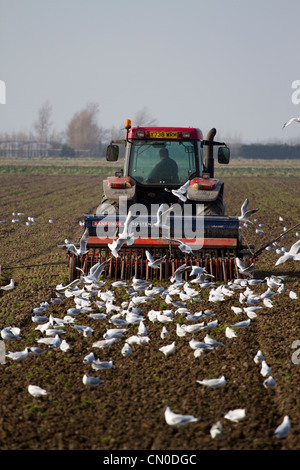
(223, 155)
(112, 153)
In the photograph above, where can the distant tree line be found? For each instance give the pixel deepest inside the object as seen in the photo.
(83, 136)
(269, 151)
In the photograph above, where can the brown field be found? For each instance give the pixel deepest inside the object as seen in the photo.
(126, 411)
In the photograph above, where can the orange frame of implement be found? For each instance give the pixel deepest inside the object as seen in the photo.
(197, 243)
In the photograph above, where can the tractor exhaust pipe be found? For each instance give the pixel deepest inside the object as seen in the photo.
(209, 156)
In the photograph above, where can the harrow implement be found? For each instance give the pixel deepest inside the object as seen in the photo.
(215, 250)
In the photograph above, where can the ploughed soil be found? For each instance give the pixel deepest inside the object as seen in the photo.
(126, 410)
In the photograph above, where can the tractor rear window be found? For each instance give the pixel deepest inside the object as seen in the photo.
(163, 162)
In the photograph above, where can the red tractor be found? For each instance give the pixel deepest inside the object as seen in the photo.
(159, 162)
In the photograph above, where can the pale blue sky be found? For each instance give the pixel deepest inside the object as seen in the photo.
(227, 64)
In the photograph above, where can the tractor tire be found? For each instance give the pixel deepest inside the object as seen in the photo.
(108, 206)
(216, 207)
(73, 272)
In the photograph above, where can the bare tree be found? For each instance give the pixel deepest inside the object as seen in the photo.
(143, 118)
(43, 124)
(83, 131)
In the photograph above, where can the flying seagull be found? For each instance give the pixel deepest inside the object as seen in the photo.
(161, 217)
(82, 250)
(292, 254)
(180, 192)
(182, 246)
(154, 263)
(245, 213)
(248, 271)
(296, 119)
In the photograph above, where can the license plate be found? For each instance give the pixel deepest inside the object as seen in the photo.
(163, 135)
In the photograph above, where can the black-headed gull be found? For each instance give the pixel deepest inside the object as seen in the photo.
(9, 286)
(291, 254)
(180, 192)
(287, 123)
(182, 246)
(213, 383)
(178, 420)
(37, 391)
(154, 263)
(245, 213)
(161, 216)
(284, 428)
(246, 271)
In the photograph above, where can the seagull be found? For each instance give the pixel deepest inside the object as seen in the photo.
(134, 339)
(169, 349)
(92, 381)
(292, 254)
(36, 391)
(268, 303)
(245, 213)
(182, 246)
(10, 333)
(177, 275)
(180, 330)
(164, 332)
(126, 234)
(211, 341)
(259, 357)
(95, 271)
(19, 355)
(237, 310)
(217, 430)
(82, 250)
(83, 242)
(213, 383)
(269, 382)
(51, 342)
(152, 263)
(36, 350)
(178, 420)
(161, 217)
(230, 333)
(89, 358)
(32, 219)
(101, 365)
(287, 123)
(197, 270)
(265, 369)
(283, 429)
(126, 350)
(9, 286)
(242, 324)
(104, 343)
(194, 344)
(248, 271)
(116, 245)
(124, 237)
(64, 346)
(235, 415)
(180, 192)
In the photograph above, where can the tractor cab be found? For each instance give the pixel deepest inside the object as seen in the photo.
(159, 159)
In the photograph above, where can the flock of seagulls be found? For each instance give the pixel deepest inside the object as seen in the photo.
(18, 217)
(93, 301)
